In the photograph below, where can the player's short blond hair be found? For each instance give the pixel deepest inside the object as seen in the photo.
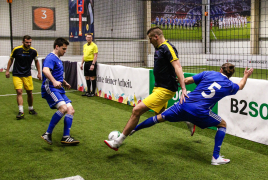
(155, 31)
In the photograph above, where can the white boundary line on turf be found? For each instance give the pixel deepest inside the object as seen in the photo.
(33, 93)
(214, 34)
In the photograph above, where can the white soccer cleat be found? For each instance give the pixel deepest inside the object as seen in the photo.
(112, 144)
(191, 127)
(219, 161)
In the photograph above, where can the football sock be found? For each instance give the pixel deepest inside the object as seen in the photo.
(21, 108)
(30, 107)
(54, 121)
(218, 141)
(93, 86)
(121, 138)
(68, 120)
(147, 123)
(88, 86)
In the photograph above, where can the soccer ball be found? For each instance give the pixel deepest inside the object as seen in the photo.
(113, 135)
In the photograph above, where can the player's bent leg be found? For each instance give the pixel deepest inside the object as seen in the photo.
(148, 123)
(68, 120)
(216, 158)
(134, 119)
(131, 124)
(62, 109)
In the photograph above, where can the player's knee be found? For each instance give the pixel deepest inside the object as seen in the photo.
(29, 92)
(222, 124)
(71, 111)
(19, 91)
(136, 111)
(63, 109)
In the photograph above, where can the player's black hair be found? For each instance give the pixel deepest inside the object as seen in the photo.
(228, 69)
(26, 37)
(60, 42)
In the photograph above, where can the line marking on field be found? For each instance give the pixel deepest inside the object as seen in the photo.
(32, 93)
(213, 34)
(72, 178)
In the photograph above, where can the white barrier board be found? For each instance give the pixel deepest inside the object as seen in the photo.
(122, 84)
(246, 113)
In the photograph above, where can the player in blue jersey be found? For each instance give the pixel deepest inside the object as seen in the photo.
(176, 22)
(52, 90)
(157, 21)
(166, 67)
(161, 21)
(211, 87)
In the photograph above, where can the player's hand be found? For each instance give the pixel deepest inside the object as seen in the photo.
(247, 72)
(81, 67)
(183, 95)
(67, 86)
(57, 84)
(91, 68)
(7, 74)
(39, 76)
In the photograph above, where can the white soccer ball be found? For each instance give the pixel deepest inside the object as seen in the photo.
(113, 135)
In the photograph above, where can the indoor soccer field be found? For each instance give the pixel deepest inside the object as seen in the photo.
(165, 151)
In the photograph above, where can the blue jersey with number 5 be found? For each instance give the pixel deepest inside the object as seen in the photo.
(211, 87)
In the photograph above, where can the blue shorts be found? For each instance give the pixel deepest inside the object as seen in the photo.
(55, 97)
(177, 114)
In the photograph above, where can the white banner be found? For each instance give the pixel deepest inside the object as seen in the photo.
(255, 61)
(246, 113)
(81, 80)
(34, 69)
(122, 84)
(3, 63)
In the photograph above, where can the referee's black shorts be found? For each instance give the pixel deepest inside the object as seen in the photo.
(87, 71)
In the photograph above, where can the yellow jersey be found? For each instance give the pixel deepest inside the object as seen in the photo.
(89, 51)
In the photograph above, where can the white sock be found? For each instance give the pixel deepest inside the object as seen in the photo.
(30, 107)
(21, 108)
(121, 138)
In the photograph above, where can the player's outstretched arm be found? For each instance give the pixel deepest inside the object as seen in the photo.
(243, 81)
(189, 80)
(178, 70)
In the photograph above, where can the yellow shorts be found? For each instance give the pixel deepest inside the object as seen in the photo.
(158, 99)
(27, 82)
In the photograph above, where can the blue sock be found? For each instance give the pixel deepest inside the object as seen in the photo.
(54, 121)
(147, 123)
(68, 120)
(218, 141)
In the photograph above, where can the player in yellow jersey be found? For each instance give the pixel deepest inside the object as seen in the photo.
(24, 56)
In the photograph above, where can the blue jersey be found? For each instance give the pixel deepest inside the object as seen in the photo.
(157, 19)
(211, 87)
(55, 65)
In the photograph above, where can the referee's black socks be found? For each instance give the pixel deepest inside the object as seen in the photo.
(88, 85)
(93, 86)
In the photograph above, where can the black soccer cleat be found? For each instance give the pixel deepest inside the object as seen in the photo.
(91, 95)
(20, 116)
(33, 112)
(47, 138)
(69, 140)
(86, 94)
